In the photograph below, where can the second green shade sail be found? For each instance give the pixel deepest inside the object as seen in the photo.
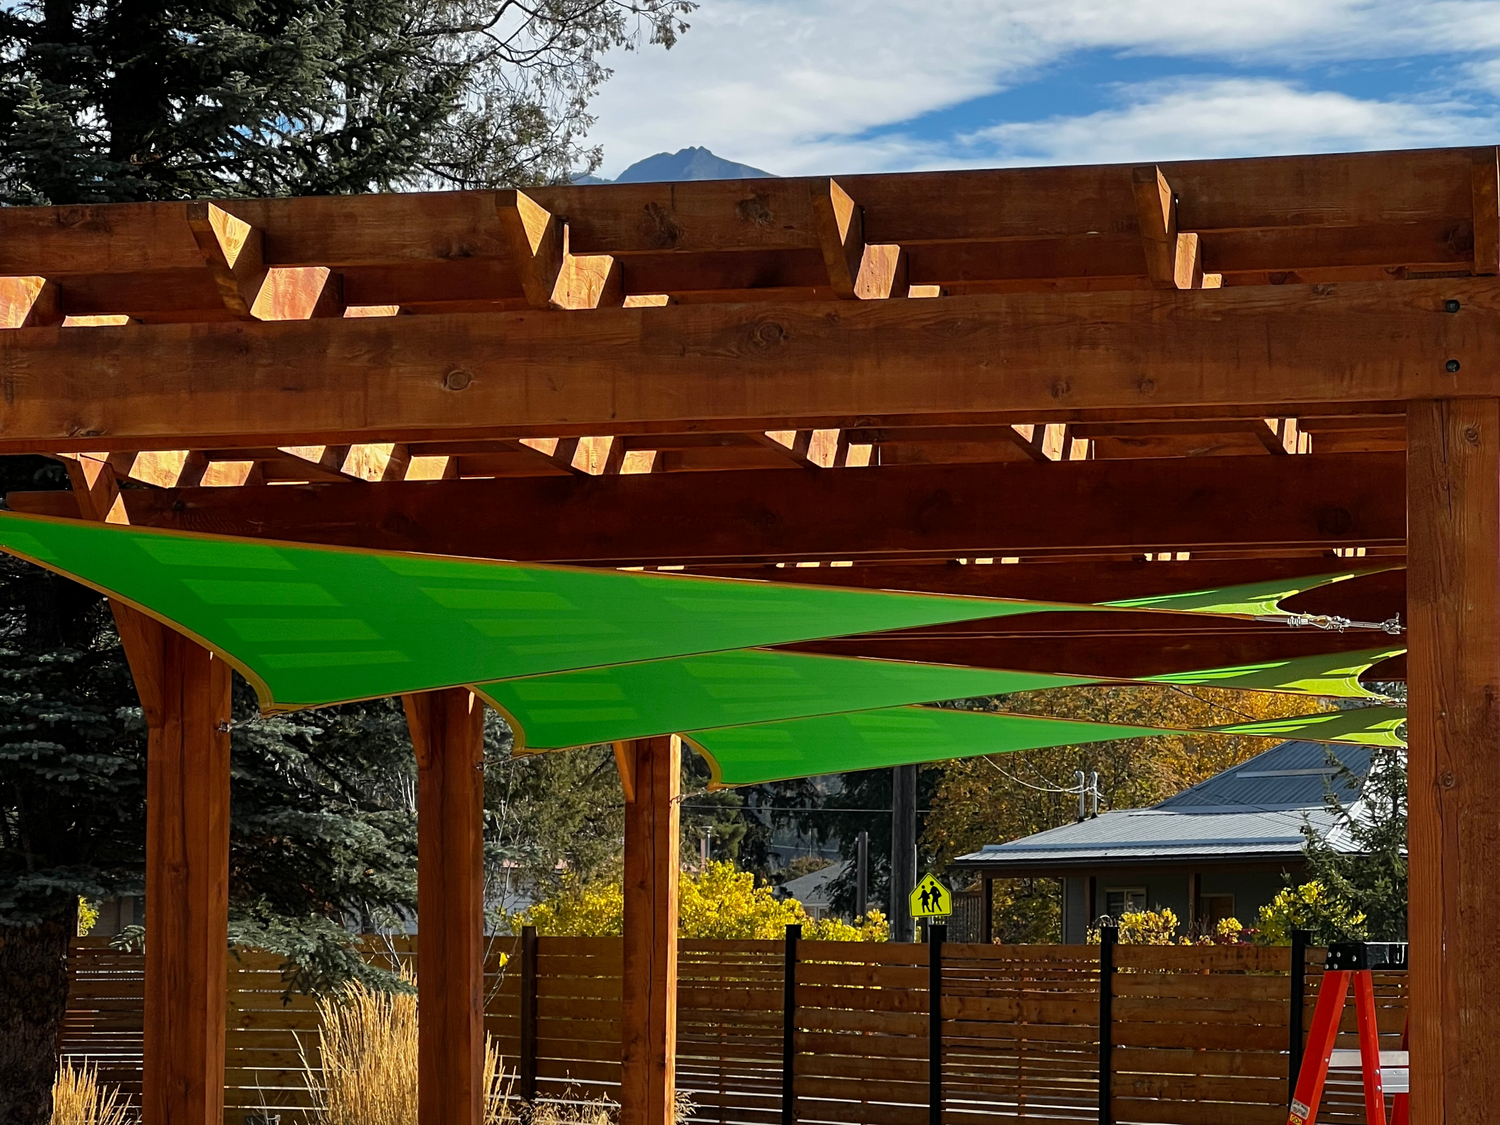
(898, 736)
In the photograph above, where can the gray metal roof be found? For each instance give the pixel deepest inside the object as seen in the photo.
(1294, 775)
(1254, 811)
(815, 888)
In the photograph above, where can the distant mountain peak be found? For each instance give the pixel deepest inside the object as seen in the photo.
(684, 164)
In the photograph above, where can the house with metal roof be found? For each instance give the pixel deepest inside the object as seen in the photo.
(1221, 849)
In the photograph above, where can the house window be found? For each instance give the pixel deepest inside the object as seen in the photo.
(1213, 909)
(1123, 900)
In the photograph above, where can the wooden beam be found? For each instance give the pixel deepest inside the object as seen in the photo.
(28, 302)
(95, 487)
(625, 764)
(187, 874)
(234, 253)
(1453, 771)
(1486, 195)
(447, 731)
(1270, 352)
(648, 1010)
(1374, 597)
(1147, 650)
(924, 511)
(1174, 259)
(551, 275)
(1382, 195)
(1156, 205)
(857, 270)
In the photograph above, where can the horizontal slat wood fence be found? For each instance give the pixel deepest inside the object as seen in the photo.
(1200, 1034)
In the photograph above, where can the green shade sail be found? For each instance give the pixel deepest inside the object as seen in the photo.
(1335, 675)
(577, 656)
(1256, 599)
(897, 736)
(311, 626)
(750, 755)
(760, 686)
(1362, 726)
(729, 689)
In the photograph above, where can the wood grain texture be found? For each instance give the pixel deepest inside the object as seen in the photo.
(894, 512)
(649, 985)
(447, 731)
(1385, 190)
(187, 885)
(1048, 357)
(1454, 676)
(1486, 191)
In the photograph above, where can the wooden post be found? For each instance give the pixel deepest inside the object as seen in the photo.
(185, 695)
(903, 849)
(447, 732)
(1453, 598)
(648, 1050)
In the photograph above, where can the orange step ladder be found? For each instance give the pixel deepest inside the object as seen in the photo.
(1350, 965)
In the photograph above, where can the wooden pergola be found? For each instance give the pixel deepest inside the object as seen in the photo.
(1075, 383)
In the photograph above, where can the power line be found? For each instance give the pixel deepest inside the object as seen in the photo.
(786, 808)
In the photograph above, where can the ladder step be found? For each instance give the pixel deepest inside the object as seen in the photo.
(1348, 1059)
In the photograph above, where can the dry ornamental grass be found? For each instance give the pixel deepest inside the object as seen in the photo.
(79, 1099)
(367, 1046)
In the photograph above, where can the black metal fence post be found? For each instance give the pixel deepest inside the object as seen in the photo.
(528, 1058)
(862, 875)
(1108, 935)
(1300, 941)
(936, 932)
(789, 1029)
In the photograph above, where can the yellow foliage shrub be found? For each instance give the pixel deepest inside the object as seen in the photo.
(1159, 927)
(722, 902)
(1308, 907)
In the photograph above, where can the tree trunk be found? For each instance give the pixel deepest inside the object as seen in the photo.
(33, 998)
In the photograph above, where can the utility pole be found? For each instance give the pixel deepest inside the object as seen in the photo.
(903, 848)
(862, 875)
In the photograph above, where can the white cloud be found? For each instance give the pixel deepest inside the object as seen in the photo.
(795, 86)
(1228, 117)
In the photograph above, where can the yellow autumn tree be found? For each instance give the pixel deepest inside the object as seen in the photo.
(1310, 907)
(1001, 797)
(721, 902)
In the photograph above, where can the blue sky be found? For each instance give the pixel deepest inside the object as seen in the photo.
(826, 86)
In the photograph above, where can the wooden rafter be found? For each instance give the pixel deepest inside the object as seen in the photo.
(1080, 507)
(1315, 220)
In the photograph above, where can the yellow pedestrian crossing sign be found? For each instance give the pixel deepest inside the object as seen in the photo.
(931, 899)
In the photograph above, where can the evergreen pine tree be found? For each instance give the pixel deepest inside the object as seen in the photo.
(72, 786)
(138, 100)
(163, 99)
(322, 824)
(1366, 873)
